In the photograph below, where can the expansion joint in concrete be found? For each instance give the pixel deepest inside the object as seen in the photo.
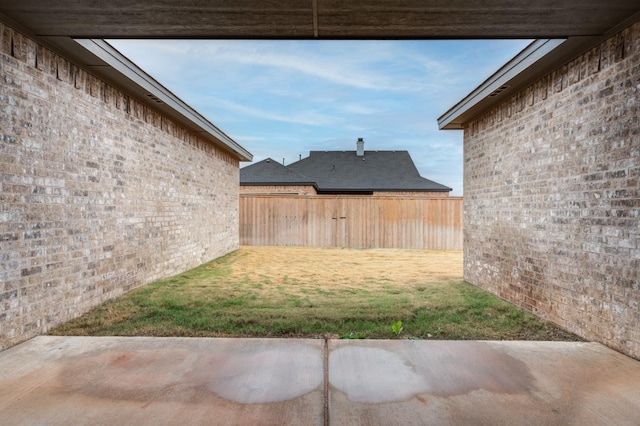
(325, 365)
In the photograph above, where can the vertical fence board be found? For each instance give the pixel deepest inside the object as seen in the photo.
(351, 221)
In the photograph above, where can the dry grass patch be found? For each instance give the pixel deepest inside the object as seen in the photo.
(312, 273)
(311, 292)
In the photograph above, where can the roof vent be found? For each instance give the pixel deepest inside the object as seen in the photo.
(498, 91)
(154, 98)
(360, 147)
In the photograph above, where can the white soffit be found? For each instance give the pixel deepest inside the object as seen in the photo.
(114, 66)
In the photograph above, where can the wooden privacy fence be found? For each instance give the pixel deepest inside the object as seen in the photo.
(351, 221)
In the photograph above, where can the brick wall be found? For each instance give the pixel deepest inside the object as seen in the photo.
(552, 199)
(99, 193)
(275, 189)
(413, 194)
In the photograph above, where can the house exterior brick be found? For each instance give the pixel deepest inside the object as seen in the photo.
(552, 198)
(99, 193)
(413, 194)
(278, 189)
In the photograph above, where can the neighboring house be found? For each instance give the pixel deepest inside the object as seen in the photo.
(357, 172)
(269, 176)
(358, 199)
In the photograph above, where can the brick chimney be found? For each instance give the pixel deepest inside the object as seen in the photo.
(360, 147)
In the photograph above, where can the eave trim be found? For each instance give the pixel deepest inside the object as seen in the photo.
(113, 58)
(531, 54)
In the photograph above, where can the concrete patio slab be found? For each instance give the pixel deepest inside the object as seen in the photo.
(162, 381)
(193, 381)
(408, 382)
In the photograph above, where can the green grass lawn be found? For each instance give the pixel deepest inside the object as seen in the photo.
(304, 292)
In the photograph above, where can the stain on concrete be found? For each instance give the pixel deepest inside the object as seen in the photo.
(136, 375)
(372, 375)
(486, 383)
(258, 375)
(454, 369)
(162, 381)
(376, 375)
(253, 374)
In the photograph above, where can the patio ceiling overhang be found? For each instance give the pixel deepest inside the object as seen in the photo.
(318, 19)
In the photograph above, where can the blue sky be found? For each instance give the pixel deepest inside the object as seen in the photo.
(282, 99)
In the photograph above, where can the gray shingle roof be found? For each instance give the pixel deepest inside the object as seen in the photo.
(344, 171)
(270, 172)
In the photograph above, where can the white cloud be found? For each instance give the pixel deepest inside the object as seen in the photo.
(363, 65)
(306, 117)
